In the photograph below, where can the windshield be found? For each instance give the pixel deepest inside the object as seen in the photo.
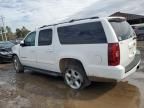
(122, 29)
(6, 44)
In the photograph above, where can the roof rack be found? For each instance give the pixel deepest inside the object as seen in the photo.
(54, 24)
(73, 20)
(83, 19)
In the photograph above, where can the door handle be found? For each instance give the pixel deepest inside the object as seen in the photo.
(32, 51)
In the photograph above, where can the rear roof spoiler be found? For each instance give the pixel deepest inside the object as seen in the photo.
(117, 19)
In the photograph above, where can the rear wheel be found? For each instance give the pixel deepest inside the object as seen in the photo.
(18, 66)
(75, 77)
(1, 61)
(142, 38)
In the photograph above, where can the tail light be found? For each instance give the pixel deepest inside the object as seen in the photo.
(113, 54)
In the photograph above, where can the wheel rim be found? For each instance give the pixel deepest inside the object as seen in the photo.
(73, 78)
(16, 64)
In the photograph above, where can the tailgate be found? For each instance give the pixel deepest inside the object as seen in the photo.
(127, 51)
(127, 40)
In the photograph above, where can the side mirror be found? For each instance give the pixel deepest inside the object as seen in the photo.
(22, 43)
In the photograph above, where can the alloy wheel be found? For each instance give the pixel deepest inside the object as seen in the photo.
(73, 78)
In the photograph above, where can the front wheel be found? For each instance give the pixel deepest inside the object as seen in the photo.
(1, 61)
(18, 66)
(75, 77)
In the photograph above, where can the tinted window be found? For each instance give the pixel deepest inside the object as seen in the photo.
(141, 28)
(45, 37)
(30, 39)
(123, 30)
(88, 33)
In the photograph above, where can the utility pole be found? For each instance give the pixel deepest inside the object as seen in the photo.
(1, 35)
(3, 24)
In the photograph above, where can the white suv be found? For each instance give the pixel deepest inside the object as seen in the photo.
(81, 50)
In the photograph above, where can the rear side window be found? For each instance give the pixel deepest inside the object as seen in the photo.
(87, 33)
(45, 37)
(122, 29)
(141, 28)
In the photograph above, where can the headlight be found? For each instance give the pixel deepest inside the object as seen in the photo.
(4, 53)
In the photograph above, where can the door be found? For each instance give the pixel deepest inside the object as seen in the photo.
(27, 51)
(45, 52)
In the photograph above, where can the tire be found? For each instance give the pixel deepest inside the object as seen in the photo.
(1, 61)
(142, 38)
(17, 65)
(75, 77)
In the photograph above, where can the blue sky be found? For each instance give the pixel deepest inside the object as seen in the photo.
(35, 13)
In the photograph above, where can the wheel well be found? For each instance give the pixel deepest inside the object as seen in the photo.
(13, 55)
(65, 61)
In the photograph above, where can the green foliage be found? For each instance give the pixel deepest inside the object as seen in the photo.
(18, 33)
(9, 33)
(1, 33)
(21, 33)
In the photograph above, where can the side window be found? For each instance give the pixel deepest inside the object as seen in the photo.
(30, 39)
(45, 37)
(87, 33)
(141, 28)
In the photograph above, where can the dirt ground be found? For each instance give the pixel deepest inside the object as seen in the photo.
(33, 90)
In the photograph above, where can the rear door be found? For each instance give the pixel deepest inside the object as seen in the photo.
(45, 50)
(127, 40)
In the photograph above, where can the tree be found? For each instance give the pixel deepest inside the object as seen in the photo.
(8, 29)
(18, 33)
(24, 31)
(2, 33)
(9, 33)
(2, 29)
(6, 33)
(21, 33)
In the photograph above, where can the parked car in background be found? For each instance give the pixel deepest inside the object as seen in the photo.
(6, 51)
(139, 30)
(16, 41)
(13, 41)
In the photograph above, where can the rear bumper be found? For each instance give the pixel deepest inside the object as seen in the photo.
(133, 66)
(134, 63)
(114, 72)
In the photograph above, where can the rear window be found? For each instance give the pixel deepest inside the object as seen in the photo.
(87, 33)
(122, 29)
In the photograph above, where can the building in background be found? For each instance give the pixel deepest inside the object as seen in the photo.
(137, 22)
(131, 18)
